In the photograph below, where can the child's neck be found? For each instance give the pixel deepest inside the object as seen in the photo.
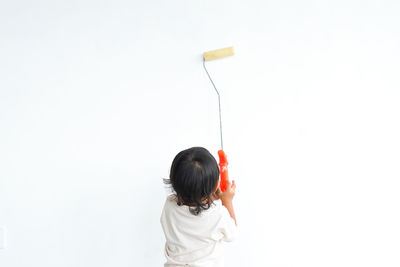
(212, 197)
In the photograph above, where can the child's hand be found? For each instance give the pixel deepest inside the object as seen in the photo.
(229, 193)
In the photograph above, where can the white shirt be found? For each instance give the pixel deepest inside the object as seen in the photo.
(196, 240)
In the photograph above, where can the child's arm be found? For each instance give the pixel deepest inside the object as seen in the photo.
(227, 197)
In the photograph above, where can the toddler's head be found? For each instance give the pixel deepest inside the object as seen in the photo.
(194, 178)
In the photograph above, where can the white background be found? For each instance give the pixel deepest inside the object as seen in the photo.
(97, 97)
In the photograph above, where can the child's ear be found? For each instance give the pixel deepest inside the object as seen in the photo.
(218, 183)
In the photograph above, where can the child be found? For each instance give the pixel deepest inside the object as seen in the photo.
(198, 216)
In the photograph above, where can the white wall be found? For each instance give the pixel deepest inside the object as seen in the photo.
(97, 97)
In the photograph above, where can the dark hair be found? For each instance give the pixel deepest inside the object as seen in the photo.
(194, 177)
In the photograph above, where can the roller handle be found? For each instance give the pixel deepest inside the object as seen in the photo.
(223, 167)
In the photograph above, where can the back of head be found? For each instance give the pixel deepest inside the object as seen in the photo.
(194, 178)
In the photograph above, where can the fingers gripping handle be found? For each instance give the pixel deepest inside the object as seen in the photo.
(223, 167)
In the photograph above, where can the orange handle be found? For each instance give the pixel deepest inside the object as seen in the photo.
(223, 168)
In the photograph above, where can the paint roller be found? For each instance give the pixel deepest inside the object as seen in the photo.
(223, 162)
